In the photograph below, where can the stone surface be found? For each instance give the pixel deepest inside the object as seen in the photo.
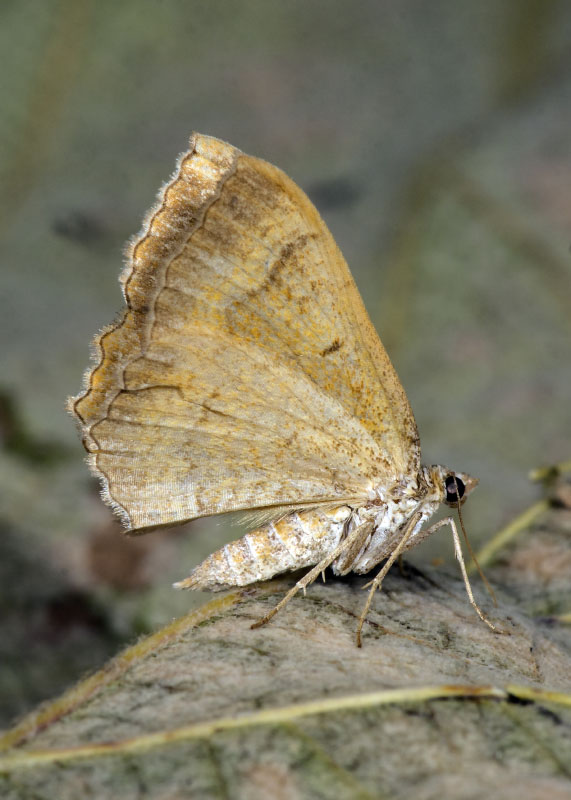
(433, 705)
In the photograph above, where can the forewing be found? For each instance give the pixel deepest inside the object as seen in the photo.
(245, 372)
(186, 438)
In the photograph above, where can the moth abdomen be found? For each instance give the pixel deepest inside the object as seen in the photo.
(296, 541)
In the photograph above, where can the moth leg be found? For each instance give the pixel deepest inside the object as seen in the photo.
(460, 558)
(360, 532)
(353, 549)
(376, 582)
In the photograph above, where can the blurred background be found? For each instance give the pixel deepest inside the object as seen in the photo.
(434, 139)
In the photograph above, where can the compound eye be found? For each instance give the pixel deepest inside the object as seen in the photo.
(455, 489)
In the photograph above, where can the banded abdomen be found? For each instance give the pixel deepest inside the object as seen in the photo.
(300, 539)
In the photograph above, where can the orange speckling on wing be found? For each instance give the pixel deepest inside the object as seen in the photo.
(244, 372)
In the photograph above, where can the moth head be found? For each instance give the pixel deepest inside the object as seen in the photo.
(457, 487)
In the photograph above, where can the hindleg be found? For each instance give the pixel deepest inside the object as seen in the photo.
(358, 535)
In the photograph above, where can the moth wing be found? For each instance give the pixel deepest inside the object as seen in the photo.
(245, 372)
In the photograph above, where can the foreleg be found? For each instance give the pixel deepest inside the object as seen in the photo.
(460, 558)
(376, 583)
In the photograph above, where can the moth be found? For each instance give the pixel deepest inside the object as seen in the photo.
(245, 375)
